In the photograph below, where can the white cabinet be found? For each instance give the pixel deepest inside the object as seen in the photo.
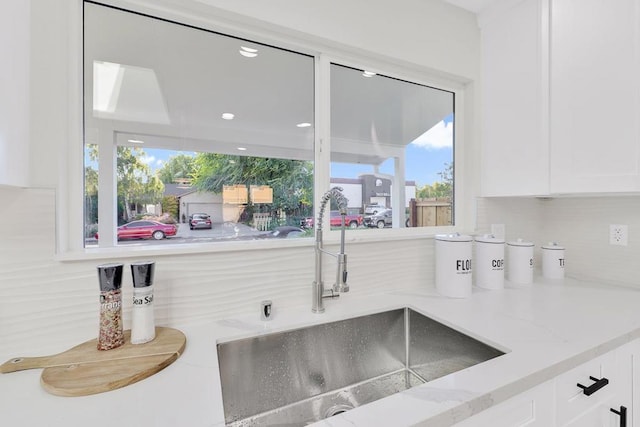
(561, 97)
(595, 96)
(603, 392)
(533, 408)
(514, 107)
(604, 382)
(14, 87)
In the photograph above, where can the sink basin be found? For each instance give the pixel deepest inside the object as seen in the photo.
(300, 376)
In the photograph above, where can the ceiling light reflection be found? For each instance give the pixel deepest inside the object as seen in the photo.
(248, 52)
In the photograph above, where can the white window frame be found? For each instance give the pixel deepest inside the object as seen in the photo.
(70, 197)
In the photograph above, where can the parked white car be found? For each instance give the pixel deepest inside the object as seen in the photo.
(373, 209)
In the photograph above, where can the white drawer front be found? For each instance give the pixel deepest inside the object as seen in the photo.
(533, 408)
(572, 402)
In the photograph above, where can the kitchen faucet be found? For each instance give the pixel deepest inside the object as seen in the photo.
(341, 274)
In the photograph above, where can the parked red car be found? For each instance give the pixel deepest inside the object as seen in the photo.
(351, 221)
(145, 229)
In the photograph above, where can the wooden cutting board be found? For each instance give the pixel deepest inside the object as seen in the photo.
(84, 370)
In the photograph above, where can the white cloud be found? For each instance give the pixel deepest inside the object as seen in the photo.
(159, 162)
(147, 160)
(439, 136)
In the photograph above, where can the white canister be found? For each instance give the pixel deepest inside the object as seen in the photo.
(489, 262)
(553, 261)
(453, 265)
(520, 262)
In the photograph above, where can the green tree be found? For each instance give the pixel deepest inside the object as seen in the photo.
(136, 184)
(439, 189)
(90, 199)
(170, 205)
(178, 167)
(291, 180)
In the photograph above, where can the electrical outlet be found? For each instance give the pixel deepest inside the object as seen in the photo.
(498, 230)
(618, 235)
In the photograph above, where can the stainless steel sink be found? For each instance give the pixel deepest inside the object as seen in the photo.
(297, 377)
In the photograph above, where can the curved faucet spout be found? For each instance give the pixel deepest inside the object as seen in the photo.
(340, 285)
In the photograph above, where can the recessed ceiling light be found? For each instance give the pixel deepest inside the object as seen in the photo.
(303, 125)
(248, 52)
(242, 149)
(135, 141)
(368, 74)
(228, 116)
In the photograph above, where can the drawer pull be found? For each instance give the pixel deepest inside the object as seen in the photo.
(623, 415)
(597, 385)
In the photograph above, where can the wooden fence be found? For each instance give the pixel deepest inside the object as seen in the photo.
(262, 221)
(429, 212)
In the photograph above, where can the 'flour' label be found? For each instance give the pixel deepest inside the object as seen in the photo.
(463, 266)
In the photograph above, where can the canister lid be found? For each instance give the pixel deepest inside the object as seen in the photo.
(553, 246)
(520, 242)
(110, 276)
(453, 237)
(489, 238)
(142, 273)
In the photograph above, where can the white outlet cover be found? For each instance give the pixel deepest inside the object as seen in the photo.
(618, 235)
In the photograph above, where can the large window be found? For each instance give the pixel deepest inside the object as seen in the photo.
(207, 137)
(392, 147)
(188, 128)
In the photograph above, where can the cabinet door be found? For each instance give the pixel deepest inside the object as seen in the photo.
(600, 416)
(573, 401)
(594, 104)
(14, 87)
(515, 151)
(629, 365)
(533, 408)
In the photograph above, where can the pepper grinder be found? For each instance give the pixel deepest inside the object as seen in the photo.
(142, 319)
(110, 334)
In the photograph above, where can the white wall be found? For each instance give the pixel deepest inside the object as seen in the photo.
(581, 225)
(48, 305)
(433, 34)
(14, 87)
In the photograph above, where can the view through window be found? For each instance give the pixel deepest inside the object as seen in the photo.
(195, 136)
(199, 136)
(389, 134)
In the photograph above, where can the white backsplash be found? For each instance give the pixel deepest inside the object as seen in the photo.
(581, 225)
(47, 305)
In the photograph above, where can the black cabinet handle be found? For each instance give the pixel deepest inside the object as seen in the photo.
(623, 415)
(597, 385)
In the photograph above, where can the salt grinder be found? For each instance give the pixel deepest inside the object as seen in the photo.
(142, 318)
(110, 334)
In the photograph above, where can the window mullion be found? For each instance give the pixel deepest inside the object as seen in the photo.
(108, 188)
(323, 128)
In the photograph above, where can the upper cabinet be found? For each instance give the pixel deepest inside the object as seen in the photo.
(514, 108)
(595, 76)
(14, 87)
(561, 97)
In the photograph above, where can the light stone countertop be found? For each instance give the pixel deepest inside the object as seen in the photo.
(546, 329)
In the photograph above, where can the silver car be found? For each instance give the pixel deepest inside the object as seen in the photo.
(380, 220)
